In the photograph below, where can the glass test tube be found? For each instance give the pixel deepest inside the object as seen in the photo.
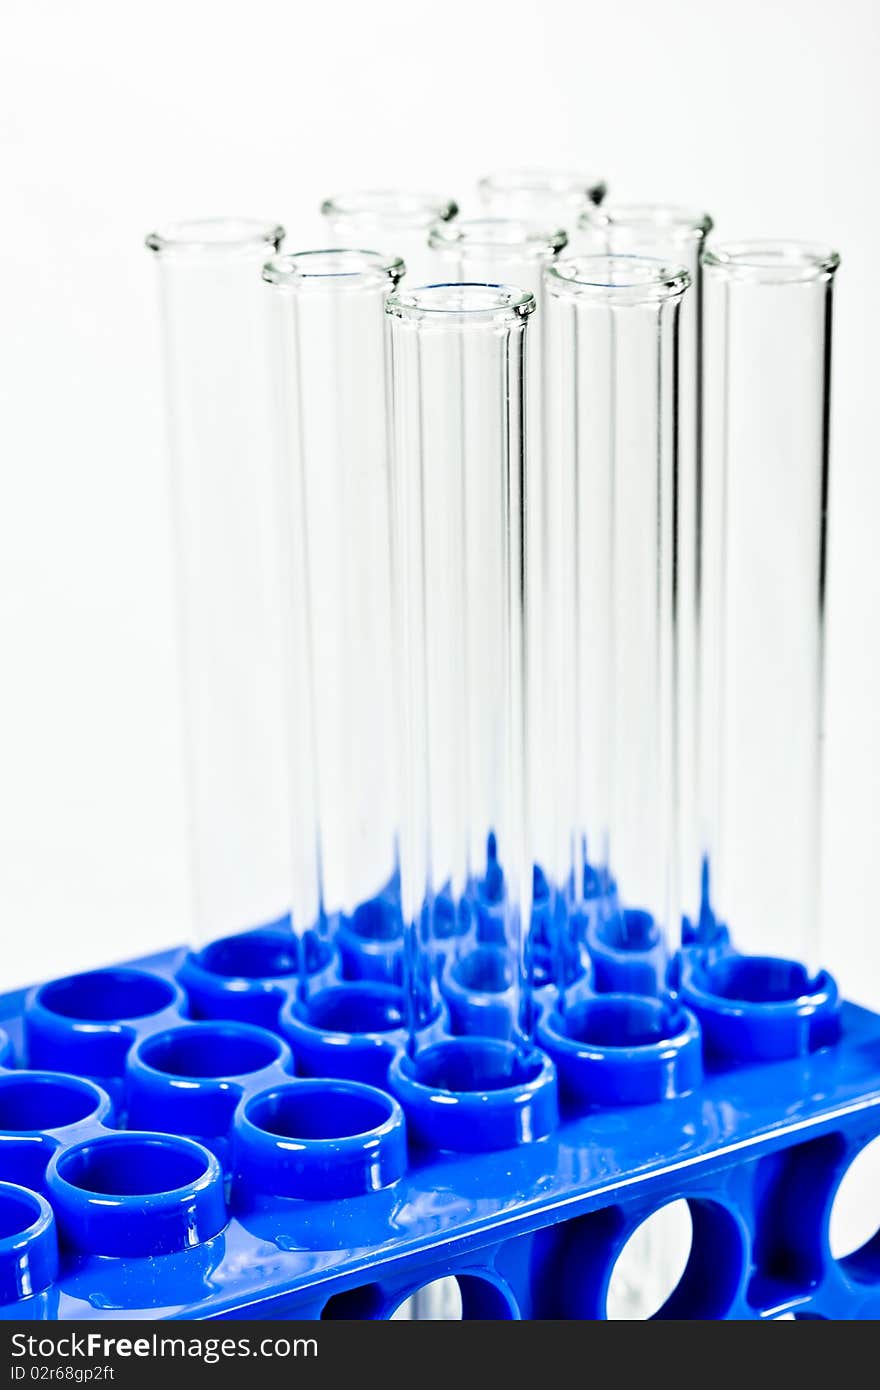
(512, 252)
(220, 423)
(392, 221)
(676, 236)
(328, 316)
(767, 359)
(612, 326)
(545, 197)
(459, 501)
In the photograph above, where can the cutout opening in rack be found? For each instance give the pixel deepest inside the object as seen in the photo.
(793, 1190)
(651, 1265)
(464, 1297)
(854, 1219)
(694, 1251)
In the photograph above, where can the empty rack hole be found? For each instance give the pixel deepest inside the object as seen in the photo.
(486, 970)
(376, 921)
(18, 1212)
(650, 1266)
(132, 1166)
(357, 1008)
(322, 1111)
(854, 1223)
(622, 1021)
(41, 1101)
(760, 980)
(210, 1050)
(253, 956)
(105, 995)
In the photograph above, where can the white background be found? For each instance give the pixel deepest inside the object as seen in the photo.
(116, 117)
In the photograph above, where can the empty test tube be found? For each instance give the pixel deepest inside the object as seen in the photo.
(220, 422)
(392, 221)
(767, 357)
(459, 503)
(512, 252)
(495, 250)
(329, 324)
(545, 197)
(612, 369)
(676, 236)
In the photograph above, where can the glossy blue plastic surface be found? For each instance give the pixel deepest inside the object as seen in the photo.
(516, 1174)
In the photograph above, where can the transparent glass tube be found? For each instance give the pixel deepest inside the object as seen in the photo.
(546, 197)
(329, 321)
(459, 501)
(613, 325)
(391, 221)
(767, 358)
(676, 236)
(507, 251)
(220, 422)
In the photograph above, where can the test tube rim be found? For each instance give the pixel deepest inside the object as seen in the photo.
(675, 219)
(537, 182)
(391, 204)
(199, 236)
(769, 260)
(509, 305)
(291, 271)
(532, 240)
(644, 279)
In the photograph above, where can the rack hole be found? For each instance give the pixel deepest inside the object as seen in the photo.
(253, 956)
(474, 1064)
(208, 1050)
(630, 930)
(18, 1212)
(103, 996)
(376, 921)
(324, 1111)
(622, 1021)
(356, 1008)
(854, 1225)
(760, 980)
(41, 1101)
(132, 1166)
(486, 970)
